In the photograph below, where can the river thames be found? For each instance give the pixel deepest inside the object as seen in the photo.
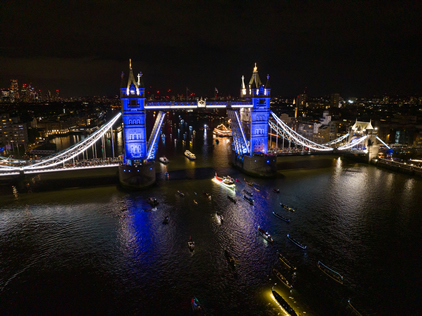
(104, 251)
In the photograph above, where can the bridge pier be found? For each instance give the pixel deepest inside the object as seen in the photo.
(258, 165)
(137, 177)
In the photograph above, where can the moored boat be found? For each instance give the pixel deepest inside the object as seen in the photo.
(276, 190)
(180, 193)
(265, 234)
(282, 278)
(231, 199)
(287, 220)
(163, 160)
(286, 207)
(330, 272)
(296, 242)
(286, 262)
(249, 199)
(289, 310)
(225, 181)
(190, 155)
(195, 202)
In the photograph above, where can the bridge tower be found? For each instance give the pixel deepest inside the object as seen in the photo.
(254, 122)
(370, 145)
(136, 171)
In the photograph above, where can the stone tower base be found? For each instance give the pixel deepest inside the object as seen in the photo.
(259, 165)
(137, 177)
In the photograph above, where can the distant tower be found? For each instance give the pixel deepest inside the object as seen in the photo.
(259, 113)
(132, 96)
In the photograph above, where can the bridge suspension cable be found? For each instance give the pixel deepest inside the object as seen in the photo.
(297, 138)
(337, 140)
(353, 143)
(383, 143)
(66, 154)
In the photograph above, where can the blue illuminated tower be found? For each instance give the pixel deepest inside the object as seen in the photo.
(137, 170)
(259, 113)
(132, 96)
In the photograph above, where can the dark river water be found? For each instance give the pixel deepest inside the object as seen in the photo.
(104, 251)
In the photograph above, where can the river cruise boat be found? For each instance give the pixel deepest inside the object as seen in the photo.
(296, 242)
(330, 272)
(228, 181)
(287, 220)
(190, 155)
(249, 199)
(286, 262)
(231, 199)
(286, 307)
(265, 234)
(222, 131)
(282, 278)
(163, 160)
(286, 207)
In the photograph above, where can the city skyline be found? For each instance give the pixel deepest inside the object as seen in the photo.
(81, 49)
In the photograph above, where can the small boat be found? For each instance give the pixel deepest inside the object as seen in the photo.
(238, 181)
(220, 217)
(163, 160)
(191, 244)
(354, 310)
(230, 258)
(249, 199)
(296, 242)
(330, 272)
(196, 307)
(276, 190)
(249, 183)
(228, 181)
(248, 193)
(181, 193)
(195, 202)
(152, 201)
(289, 310)
(286, 207)
(166, 220)
(231, 199)
(265, 234)
(256, 189)
(286, 262)
(217, 141)
(282, 278)
(190, 155)
(287, 220)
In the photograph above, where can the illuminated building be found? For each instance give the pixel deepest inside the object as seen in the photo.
(14, 90)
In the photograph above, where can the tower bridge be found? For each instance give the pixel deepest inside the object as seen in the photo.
(250, 121)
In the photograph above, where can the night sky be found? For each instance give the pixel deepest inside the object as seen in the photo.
(355, 48)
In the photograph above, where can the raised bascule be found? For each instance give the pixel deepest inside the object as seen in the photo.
(250, 121)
